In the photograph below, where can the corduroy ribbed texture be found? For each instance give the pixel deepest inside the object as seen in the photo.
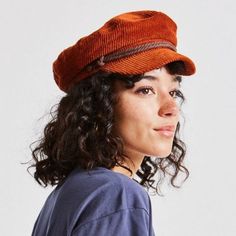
(121, 32)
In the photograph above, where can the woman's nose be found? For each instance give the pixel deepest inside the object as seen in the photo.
(169, 107)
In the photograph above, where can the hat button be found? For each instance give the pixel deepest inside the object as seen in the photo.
(100, 61)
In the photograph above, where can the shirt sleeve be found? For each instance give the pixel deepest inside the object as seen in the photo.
(127, 222)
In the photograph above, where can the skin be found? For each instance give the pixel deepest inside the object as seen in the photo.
(140, 111)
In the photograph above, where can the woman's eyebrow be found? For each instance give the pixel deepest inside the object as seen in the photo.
(175, 78)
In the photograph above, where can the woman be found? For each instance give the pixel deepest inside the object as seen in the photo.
(119, 117)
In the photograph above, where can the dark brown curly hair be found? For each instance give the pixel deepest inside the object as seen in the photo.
(80, 134)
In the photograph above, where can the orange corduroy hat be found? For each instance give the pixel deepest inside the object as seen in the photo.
(130, 43)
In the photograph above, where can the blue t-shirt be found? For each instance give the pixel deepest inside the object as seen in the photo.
(100, 203)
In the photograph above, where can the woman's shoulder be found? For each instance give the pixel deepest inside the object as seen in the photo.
(86, 196)
(102, 184)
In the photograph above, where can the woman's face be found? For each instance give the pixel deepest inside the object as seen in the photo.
(142, 110)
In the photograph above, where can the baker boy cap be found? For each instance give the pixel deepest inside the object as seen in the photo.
(130, 43)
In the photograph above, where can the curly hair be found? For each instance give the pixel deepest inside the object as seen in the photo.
(80, 134)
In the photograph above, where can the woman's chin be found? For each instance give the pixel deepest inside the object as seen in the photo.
(162, 154)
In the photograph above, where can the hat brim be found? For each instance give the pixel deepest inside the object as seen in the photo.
(149, 60)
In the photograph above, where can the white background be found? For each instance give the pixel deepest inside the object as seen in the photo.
(33, 33)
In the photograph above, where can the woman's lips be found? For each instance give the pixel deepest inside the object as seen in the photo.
(167, 131)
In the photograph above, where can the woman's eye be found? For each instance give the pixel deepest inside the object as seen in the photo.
(176, 93)
(145, 91)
